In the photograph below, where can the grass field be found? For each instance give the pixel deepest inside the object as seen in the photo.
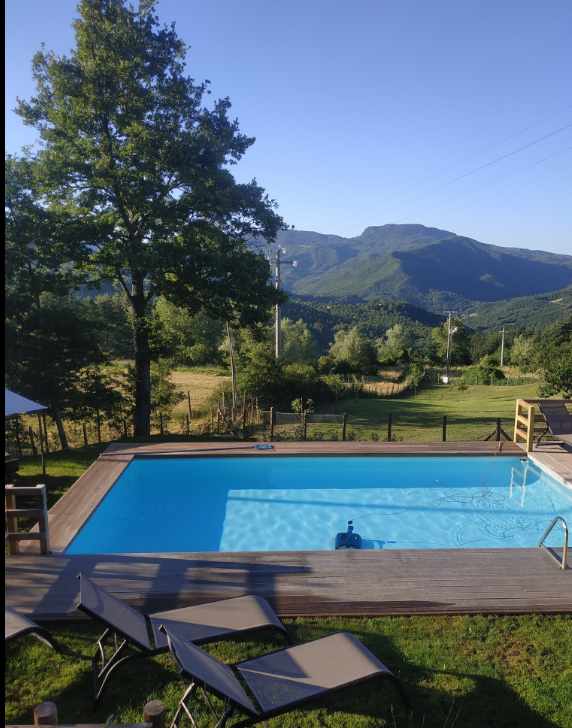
(458, 672)
(470, 412)
(201, 382)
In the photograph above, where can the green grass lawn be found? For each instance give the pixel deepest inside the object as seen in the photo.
(470, 412)
(469, 672)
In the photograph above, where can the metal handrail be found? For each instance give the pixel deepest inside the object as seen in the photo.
(562, 522)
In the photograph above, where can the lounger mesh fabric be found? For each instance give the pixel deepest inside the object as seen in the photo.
(558, 419)
(300, 673)
(210, 672)
(119, 614)
(215, 620)
(17, 625)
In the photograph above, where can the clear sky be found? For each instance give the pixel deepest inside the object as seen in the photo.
(369, 112)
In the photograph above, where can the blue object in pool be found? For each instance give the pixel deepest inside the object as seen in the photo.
(280, 503)
(348, 539)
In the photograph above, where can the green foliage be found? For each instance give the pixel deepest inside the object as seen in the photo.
(483, 374)
(351, 351)
(53, 357)
(555, 359)
(138, 166)
(165, 395)
(459, 351)
(190, 340)
(373, 318)
(297, 342)
(394, 346)
(112, 324)
(529, 313)
(523, 353)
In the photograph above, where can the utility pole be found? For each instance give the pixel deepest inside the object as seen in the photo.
(277, 351)
(502, 348)
(279, 261)
(448, 347)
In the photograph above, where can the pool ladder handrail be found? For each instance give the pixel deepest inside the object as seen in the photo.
(557, 520)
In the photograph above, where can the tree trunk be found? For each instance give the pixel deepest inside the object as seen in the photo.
(142, 416)
(232, 364)
(61, 430)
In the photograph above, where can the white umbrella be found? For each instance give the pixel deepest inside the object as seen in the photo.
(15, 404)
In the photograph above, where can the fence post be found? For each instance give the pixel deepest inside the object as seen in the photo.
(161, 424)
(304, 425)
(32, 443)
(125, 432)
(43, 522)
(18, 441)
(189, 405)
(46, 714)
(188, 424)
(389, 425)
(498, 429)
(84, 430)
(271, 424)
(154, 713)
(11, 523)
(98, 423)
(444, 428)
(46, 443)
(344, 426)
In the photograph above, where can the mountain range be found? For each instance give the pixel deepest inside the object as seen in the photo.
(425, 266)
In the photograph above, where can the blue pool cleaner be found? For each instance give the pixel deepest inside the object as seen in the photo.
(349, 539)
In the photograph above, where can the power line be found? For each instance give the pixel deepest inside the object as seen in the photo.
(501, 157)
(494, 161)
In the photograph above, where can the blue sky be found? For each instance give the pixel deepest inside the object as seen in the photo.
(369, 112)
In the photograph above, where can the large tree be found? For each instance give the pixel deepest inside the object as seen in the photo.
(50, 352)
(139, 165)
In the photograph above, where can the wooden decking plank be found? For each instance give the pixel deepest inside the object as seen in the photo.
(304, 583)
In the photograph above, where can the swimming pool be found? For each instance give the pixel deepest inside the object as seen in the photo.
(281, 503)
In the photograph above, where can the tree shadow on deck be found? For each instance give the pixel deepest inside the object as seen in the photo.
(151, 582)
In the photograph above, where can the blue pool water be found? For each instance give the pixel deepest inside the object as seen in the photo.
(299, 503)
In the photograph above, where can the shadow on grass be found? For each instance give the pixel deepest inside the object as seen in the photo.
(473, 700)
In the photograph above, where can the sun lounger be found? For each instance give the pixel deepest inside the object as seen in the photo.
(278, 682)
(17, 625)
(129, 634)
(558, 420)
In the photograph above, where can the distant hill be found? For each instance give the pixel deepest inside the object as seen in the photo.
(428, 267)
(529, 312)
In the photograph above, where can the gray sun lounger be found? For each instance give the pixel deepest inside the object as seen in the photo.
(558, 420)
(129, 634)
(17, 625)
(278, 682)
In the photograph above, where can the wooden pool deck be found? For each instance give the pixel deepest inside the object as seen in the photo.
(310, 583)
(297, 583)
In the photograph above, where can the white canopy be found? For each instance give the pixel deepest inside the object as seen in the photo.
(15, 404)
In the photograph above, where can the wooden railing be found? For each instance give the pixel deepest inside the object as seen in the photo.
(527, 418)
(39, 514)
(524, 420)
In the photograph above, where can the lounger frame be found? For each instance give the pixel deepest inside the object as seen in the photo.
(231, 708)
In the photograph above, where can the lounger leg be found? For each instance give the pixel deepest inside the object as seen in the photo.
(399, 687)
(102, 667)
(182, 707)
(225, 717)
